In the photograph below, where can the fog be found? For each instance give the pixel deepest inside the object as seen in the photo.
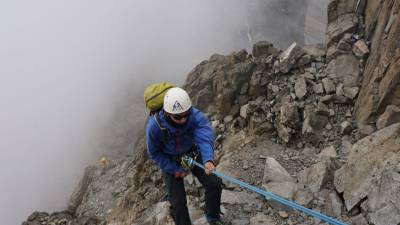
(72, 74)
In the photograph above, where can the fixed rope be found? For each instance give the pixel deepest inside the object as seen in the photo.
(270, 195)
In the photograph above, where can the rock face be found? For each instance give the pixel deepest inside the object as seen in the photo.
(380, 86)
(372, 175)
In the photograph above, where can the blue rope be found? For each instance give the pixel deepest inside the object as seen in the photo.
(270, 195)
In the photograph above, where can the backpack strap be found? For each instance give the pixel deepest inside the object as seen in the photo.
(165, 132)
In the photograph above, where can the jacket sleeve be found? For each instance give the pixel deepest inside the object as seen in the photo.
(204, 137)
(155, 147)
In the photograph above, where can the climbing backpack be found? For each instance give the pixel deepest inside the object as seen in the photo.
(154, 95)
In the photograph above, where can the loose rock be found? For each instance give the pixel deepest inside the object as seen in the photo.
(318, 89)
(300, 88)
(358, 220)
(304, 197)
(335, 205)
(261, 219)
(346, 128)
(228, 119)
(346, 68)
(390, 116)
(328, 152)
(360, 49)
(329, 86)
(243, 111)
(317, 176)
(289, 57)
(350, 92)
(283, 214)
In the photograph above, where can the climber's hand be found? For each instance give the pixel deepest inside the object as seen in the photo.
(209, 167)
(180, 174)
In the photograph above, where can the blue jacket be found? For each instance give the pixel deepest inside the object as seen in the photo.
(197, 130)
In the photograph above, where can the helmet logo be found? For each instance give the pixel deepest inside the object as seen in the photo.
(177, 106)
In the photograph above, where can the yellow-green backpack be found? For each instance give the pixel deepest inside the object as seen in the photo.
(154, 95)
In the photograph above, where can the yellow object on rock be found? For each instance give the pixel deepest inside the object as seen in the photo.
(103, 161)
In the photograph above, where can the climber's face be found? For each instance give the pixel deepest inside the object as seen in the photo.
(180, 118)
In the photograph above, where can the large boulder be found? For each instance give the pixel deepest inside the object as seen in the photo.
(318, 176)
(239, 198)
(288, 58)
(372, 174)
(278, 180)
(264, 49)
(315, 121)
(346, 23)
(346, 69)
(215, 84)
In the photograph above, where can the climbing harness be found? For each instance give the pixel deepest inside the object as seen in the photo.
(270, 195)
(185, 163)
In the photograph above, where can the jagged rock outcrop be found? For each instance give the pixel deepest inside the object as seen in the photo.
(220, 84)
(371, 177)
(390, 116)
(381, 77)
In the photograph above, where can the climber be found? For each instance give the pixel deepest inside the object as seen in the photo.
(179, 129)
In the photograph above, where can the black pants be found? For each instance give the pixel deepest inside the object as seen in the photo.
(177, 195)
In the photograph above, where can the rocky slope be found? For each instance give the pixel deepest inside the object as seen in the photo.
(318, 125)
